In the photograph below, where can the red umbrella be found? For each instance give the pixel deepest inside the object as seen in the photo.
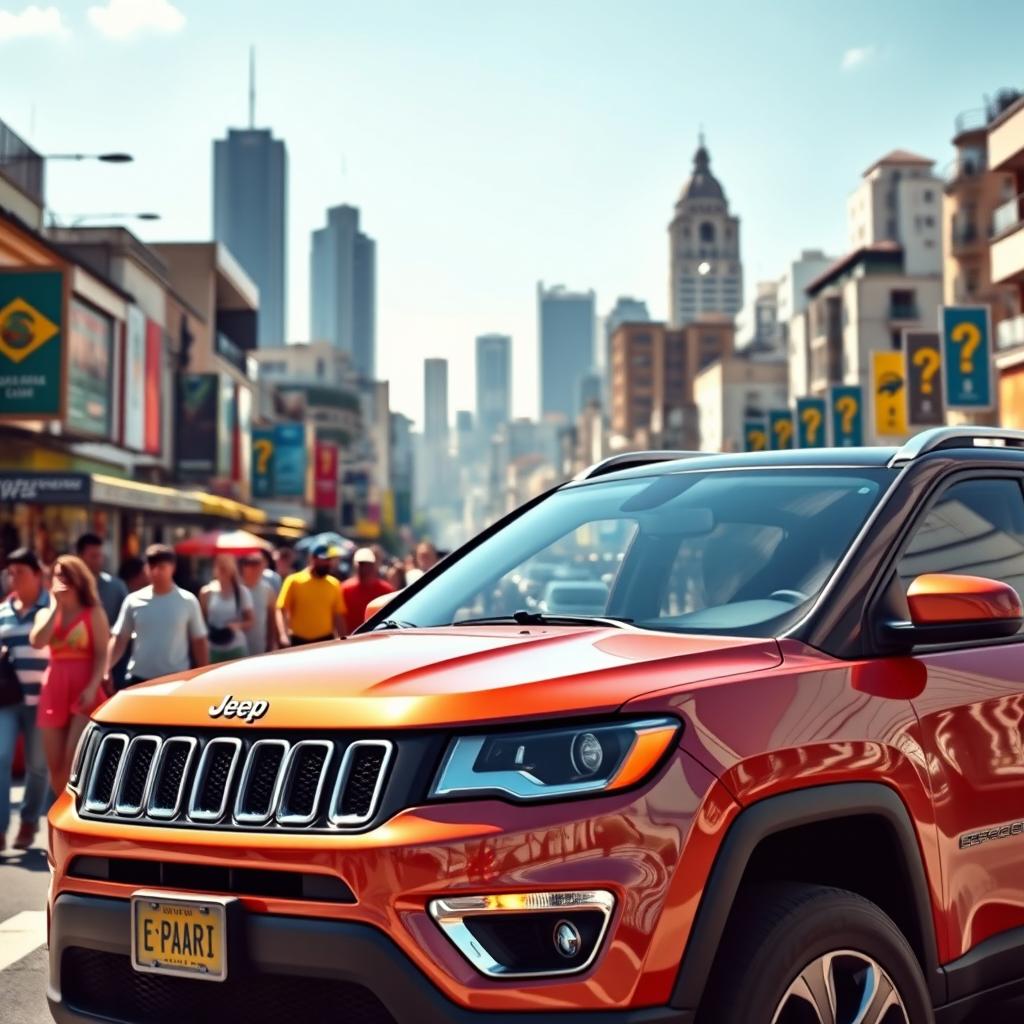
(222, 542)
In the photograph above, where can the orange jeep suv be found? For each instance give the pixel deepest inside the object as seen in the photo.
(728, 739)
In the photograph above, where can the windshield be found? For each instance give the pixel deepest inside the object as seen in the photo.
(735, 552)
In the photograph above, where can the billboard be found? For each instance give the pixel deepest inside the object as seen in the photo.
(325, 476)
(780, 429)
(889, 388)
(33, 346)
(847, 404)
(811, 424)
(153, 385)
(227, 423)
(262, 462)
(755, 435)
(923, 371)
(90, 370)
(197, 423)
(290, 460)
(134, 400)
(967, 358)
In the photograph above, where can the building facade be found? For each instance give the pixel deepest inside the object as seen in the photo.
(705, 271)
(343, 288)
(730, 390)
(250, 183)
(566, 333)
(493, 382)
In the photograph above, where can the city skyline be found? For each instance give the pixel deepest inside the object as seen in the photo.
(465, 237)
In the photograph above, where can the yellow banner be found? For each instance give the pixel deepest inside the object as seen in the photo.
(889, 387)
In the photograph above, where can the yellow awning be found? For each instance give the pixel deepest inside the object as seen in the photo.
(228, 508)
(112, 490)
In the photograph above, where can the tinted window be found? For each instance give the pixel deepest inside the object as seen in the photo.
(975, 529)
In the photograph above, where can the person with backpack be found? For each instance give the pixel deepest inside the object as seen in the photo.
(228, 611)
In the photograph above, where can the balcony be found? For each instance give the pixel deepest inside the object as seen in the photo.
(904, 311)
(1007, 250)
(965, 236)
(971, 121)
(964, 168)
(1006, 139)
(1010, 332)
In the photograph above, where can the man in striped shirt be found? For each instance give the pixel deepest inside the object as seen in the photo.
(17, 614)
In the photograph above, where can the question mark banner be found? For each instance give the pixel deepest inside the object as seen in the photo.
(262, 462)
(967, 358)
(847, 404)
(755, 435)
(810, 422)
(923, 374)
(780, 429)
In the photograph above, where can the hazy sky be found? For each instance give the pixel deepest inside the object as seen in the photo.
(492, 145)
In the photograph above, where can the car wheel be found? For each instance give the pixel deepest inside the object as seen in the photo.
(807, 954)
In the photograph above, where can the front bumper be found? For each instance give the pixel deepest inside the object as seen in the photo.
(333, 970)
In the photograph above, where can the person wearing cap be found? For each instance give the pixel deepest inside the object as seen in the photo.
(362, 587)
(18, 612)
(311, 606)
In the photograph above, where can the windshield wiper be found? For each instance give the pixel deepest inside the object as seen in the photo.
(394, 624)
(522, 617)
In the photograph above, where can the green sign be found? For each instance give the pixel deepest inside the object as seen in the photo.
(847, 404)
(967, 358)
(755, 435)
(31, 344)
(780, 429)
(811, 423)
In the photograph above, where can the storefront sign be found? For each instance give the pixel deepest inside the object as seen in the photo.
(889, 388)
(755, 435)
(45, 488)
(325, 476)
(263, 462)
(90, 362)
(847, 404)
(134, 402)
(811, 424)
(197, 424)
(967, 358)
(32, 344)
(923, 371)
(780, 429)
(290, 460)
(154, 388)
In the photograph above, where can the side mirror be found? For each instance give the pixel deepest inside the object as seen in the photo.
(375, 606)
(945, 608)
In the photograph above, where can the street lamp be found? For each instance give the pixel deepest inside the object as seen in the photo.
(81, 218)
(107, 158)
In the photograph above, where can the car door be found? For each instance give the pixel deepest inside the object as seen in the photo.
(970, 713)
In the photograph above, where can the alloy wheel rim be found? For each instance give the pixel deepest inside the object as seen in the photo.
(841, 987)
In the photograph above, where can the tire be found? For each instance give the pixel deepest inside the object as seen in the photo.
(784, 939)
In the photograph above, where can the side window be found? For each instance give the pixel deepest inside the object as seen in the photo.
(975, 529)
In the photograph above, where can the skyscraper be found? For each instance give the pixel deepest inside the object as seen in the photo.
(705, 272)
(250, 181)
(343, 288)
(435, 400)
(493, 382)
(566, 331)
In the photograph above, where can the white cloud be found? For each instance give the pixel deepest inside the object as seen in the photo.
(32, 21)
(856, 56)
(122, 19)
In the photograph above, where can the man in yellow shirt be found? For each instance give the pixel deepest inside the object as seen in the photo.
(311, 607)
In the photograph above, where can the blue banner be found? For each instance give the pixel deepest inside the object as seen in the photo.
(847, 404)
(967, 357)
(811, 423)
(755, 435)
(263, 462)
(289, 469)
(780, 429)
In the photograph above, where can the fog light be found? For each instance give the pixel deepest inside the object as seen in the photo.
(587, 754)
(516, 935)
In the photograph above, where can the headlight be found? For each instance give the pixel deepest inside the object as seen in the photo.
(542, 764)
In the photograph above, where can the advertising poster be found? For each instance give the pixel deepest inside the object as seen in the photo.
(262, 462)
(290, 460)
(923, 370)
(889, 391)
(811, 423)
(32, 344)
(967, 358)
(325, 476)
(134, 401)
(227, 426)
(847, 404)
(90, 365)
(197, 423)
(755, 435)
(153, 386)
(780, 429)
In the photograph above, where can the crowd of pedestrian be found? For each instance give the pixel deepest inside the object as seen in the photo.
(72, 634)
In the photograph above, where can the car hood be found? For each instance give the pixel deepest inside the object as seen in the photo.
(433, 677)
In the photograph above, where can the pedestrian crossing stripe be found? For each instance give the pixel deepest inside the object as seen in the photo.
(20, 935)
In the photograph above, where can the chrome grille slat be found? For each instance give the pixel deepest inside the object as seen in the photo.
(216, 773)
(170, 776)
(106, 772)
(259, 790)
(302, 759)
(341, 812)
(137, 775)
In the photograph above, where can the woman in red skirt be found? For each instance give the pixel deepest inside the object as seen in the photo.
(76, 630)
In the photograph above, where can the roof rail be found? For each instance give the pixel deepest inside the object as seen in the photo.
(940, 438)
(629, 460)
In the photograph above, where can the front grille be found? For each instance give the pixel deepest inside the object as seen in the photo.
(236, 781)
(104, 985)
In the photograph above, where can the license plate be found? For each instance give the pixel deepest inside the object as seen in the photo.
(177, 935)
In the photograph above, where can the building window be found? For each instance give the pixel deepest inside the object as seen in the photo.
(707, 231)
(896, 340)
(928, 195)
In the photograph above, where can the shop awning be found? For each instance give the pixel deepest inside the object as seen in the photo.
(228, 508)
(110, 490)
